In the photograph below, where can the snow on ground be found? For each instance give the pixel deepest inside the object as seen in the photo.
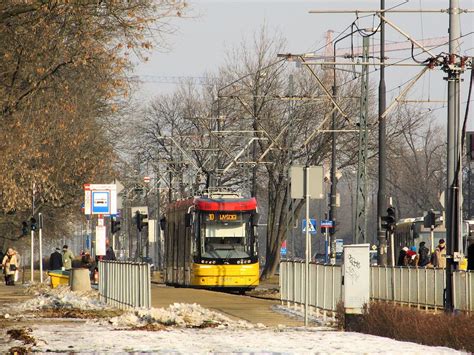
(323, 324)
(94, 338)
(60, 297)
(217, 333)
(178, 314)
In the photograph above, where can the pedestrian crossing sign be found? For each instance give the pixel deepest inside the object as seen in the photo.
(311, 226)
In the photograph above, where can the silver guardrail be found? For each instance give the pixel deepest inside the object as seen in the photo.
(325, 289)
(124, 284)
(420, 287)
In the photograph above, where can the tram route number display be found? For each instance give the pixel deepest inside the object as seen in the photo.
(223, 217)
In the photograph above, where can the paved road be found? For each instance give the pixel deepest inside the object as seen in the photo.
(235, 306)
(250, 309)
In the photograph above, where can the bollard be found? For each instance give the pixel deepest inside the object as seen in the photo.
(79, 280)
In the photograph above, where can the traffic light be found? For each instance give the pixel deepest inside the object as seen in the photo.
(24, 228)
(432, 219)
(141, 220)
(33, 223)
(389, 221)
(114, 225)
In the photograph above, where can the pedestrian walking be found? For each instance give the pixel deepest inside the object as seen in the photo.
(10, 266)
(55, 260)
(68, 257)
(423, 255)
(439, 255)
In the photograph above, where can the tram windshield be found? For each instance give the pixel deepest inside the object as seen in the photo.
(226, 235)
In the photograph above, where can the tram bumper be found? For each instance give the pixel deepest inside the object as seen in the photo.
(228, 276)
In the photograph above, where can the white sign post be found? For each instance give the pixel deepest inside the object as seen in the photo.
(40, 240)
(307, 182)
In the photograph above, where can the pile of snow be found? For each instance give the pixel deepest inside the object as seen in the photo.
(180, 315)
(60, 297)
(299, 313)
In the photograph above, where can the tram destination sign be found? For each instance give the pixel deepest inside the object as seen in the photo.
(223, 216)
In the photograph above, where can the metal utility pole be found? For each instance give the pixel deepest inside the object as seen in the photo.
(360, 226)
(40, 241)
(333, 196)
(381, 195)
(32, 259)
(454, 152)
(308, 247)
(290, 236)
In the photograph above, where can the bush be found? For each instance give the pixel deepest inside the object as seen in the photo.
(409, 324)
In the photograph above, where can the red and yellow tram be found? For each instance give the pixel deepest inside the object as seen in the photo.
(211, 242)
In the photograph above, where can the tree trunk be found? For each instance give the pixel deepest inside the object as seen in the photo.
(276, 227)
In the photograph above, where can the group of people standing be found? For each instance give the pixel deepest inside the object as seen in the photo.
(57, 261)
(423, 258)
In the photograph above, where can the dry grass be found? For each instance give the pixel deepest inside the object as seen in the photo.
(409, 324)
(22, 334)
(78, 313)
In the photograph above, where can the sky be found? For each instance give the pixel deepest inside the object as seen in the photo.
(212, 28)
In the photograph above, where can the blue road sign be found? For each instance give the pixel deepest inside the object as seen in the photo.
(312, 226)
(283, 251)
(326, 224)
(100, 202)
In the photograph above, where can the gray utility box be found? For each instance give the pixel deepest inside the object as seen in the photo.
(356, 277)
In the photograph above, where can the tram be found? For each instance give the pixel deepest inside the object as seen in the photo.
(411, 232)
(211, 242)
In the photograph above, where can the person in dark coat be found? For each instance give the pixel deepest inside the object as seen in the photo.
(401, 257)
(424, 255)
(56, 260)
(109, 253)
(470, 256)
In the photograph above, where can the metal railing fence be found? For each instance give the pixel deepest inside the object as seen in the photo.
(292, 276)
(420, 287)
(125, 284)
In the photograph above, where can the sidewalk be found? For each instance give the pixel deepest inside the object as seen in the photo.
(12, 294)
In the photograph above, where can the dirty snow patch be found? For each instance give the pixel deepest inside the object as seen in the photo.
(60, 298)
(180, 315)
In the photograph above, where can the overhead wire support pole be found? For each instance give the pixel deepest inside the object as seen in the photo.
(412, 40)
(381, 194)
(326, 91)
(404, 92)
(453, 152)
(360, 227)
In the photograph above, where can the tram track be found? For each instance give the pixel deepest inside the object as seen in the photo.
(253, 309)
